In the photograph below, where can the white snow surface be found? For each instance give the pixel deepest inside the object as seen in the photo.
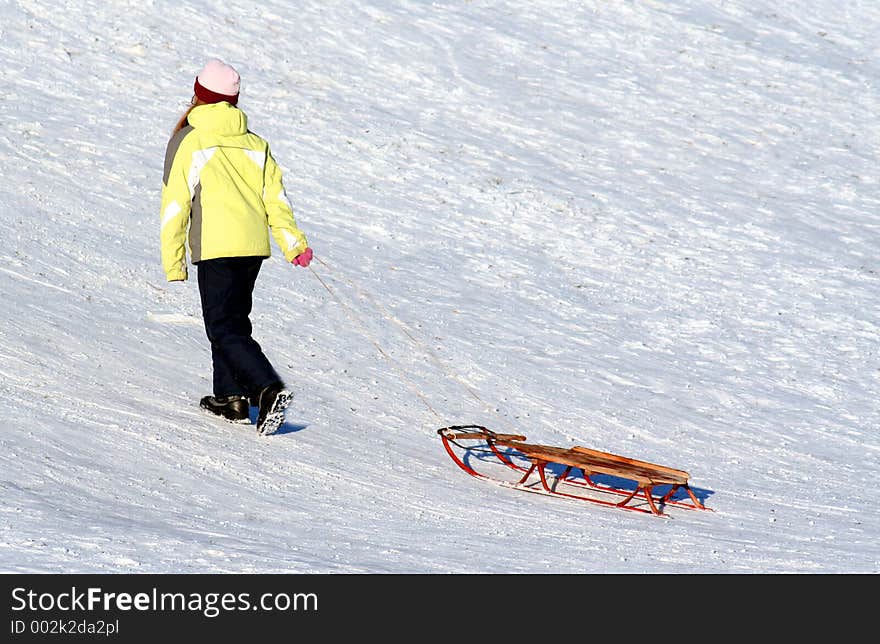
(649, 228)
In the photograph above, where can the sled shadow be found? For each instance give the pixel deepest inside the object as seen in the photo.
(609, 480)
(555, 470)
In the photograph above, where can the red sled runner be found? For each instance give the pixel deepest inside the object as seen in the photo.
(604, 477)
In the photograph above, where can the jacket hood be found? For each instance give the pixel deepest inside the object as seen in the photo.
(220, 118)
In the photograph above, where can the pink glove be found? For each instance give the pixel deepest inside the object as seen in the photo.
(304, 258)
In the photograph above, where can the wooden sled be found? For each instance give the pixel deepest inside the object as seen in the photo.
(525, 459)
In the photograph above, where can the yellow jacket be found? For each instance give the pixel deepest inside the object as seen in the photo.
(222, 185)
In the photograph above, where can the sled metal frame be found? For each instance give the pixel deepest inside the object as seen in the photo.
(645, 476)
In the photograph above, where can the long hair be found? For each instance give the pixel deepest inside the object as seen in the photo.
(183, 119)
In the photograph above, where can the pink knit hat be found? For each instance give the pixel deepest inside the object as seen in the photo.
(217, 82)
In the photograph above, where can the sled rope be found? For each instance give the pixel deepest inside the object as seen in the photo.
(406, 331)
(403, 327)
(353, 317)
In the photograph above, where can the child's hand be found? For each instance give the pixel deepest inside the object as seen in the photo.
(304, 258)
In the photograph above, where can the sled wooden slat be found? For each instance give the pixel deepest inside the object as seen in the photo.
(593, 461)
(622, 459)
(498, 438)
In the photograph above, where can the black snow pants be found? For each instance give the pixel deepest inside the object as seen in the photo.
(226, 287)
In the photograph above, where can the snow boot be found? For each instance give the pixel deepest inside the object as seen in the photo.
(272, 401)
(232, 408)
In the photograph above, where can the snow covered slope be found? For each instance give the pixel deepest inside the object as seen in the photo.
(650, 228)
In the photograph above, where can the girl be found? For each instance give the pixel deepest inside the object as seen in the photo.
(222, 186)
